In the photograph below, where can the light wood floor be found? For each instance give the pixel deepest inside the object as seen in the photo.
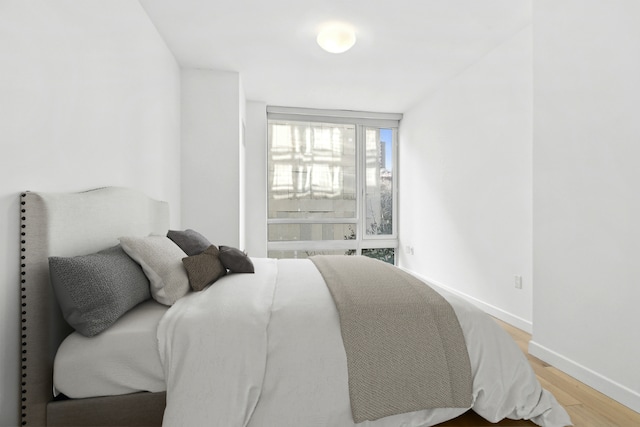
(586, 406)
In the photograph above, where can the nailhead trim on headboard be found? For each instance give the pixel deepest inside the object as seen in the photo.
(24, 301)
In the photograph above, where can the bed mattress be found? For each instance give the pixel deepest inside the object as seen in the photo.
(123, 359)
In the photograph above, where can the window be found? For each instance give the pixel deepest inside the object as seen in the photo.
(331, 186)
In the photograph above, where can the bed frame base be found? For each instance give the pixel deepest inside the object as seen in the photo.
(139, 409)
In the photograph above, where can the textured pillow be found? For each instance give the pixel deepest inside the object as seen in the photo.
(204, 269)
(161, 261)
(95, 290)
(235, 260)
(190, 241)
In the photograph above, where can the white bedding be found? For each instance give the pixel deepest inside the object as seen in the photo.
(265, 350)
(122, 359)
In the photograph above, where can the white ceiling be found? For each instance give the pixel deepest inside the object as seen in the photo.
(405, 48)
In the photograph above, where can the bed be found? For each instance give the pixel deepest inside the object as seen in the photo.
(267, 346)
(69, 224)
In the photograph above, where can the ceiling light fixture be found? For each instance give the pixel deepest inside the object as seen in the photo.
(336, 37)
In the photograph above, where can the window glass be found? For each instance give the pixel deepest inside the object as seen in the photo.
(331, 186)
(312, 170)
(379, 181)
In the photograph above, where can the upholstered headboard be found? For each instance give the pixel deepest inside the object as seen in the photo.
(67, 224)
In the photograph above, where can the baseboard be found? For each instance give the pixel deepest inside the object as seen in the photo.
(604, 385)
(494, 311)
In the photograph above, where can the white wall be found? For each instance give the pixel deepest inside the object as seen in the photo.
(242, 169)
(586, 200)
(256, 179)
(89, 97)
(465, 182)
(212, 105)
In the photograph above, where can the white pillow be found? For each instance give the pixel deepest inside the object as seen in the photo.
(161, 261)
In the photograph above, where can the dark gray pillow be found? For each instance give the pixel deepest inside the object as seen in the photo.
(95, 290)
(204, 269)
(190, 241)
(235, 260)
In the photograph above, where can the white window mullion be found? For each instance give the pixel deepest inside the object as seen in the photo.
(312, 221)
(396, 197)
(313, 245)
(360, 158)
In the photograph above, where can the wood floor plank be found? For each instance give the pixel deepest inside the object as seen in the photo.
(596, 401)
(585, 417)
(563, 398)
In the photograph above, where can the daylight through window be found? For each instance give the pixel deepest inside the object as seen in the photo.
(331, 183)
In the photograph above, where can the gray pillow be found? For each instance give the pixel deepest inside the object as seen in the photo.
(235, 260)
(95, 290)
(204, 269)
(190, 241)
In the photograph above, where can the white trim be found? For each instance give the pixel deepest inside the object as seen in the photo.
(311, 245)
(382, 123)
(494, 311)
(312, 220)
(379, 244)
(360, 185)
(396, 182)
(363, 118)
(294, 111)
(607, 386)
(328, 245)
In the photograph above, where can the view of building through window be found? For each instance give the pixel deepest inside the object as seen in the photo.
(379, 181)
(330, 189)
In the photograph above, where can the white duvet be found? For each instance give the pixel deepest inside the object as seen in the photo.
(265, 350)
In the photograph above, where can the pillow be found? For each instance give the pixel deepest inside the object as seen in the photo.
(204, 269)
(190, 241)
(94, 290)
(235, 260)
(161, 261)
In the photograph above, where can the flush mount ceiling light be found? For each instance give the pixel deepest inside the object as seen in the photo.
(336, 37)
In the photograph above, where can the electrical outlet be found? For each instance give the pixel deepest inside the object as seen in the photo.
(408, 250)
(518, 282)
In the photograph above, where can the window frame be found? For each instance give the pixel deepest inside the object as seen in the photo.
(361, 121)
